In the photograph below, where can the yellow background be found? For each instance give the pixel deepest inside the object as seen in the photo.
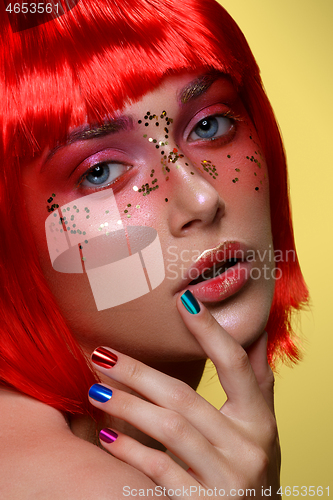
(292, 41)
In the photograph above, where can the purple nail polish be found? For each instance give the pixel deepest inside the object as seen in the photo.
(107, 435)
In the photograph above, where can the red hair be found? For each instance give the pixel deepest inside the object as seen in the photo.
(82, 67)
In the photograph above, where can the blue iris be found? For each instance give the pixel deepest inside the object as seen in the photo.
(99, 174)
(207, 128)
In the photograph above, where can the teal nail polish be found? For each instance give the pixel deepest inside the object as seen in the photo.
(100, 393)
(190, 302)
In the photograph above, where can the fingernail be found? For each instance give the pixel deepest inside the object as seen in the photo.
(104, 358)
(190, 302)
(100, 393)
(107, 435)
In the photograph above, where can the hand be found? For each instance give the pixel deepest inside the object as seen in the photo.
(231, 450)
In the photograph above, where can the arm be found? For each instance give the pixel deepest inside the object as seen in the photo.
(41, 458)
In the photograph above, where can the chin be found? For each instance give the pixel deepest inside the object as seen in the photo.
(245, 316)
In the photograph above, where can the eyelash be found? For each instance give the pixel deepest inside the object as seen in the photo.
(223, 138)
(216, 141)
(106, 163)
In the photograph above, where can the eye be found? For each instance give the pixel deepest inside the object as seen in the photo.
(102, 174)
(212, 127)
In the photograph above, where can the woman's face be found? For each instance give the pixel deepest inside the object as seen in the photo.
(185, 161)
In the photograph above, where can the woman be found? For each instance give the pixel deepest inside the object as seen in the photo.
(147, 124)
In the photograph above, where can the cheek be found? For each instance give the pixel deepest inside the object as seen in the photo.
(88, 237)
(240, 169)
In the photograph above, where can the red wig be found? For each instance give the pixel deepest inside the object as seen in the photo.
(81, 67)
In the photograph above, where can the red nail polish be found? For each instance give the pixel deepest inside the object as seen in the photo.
(104, 358)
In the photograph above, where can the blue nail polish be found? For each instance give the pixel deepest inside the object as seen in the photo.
(100, 393)
(190, 302)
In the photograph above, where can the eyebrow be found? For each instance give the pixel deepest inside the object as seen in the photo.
(86, 133)
(198, 87)
(191, 91)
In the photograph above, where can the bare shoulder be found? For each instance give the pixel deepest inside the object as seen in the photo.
(41, 458)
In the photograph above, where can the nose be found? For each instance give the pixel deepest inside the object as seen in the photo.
(194, 201)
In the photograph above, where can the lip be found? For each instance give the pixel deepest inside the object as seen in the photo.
(228, 282)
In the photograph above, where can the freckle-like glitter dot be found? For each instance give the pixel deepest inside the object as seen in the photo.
(75, 207)
(106, 211)
(150, 139)
(146, 117)
(138, 206)
(228, 156)
(84, 233)
(140, 121)
(146, 124)
(162, 152)
(150, 118)
(68, 209)
(157, 124)
(167, 137)
(86, 241)
(80, 246)
(125, 211)
(237, 169)
(154, 141)
(166, 199)
(251, 137)
(145, 135)
(257, 189)
(83, 258)
(54, 215)
(129, 205)
(157, 146)
(88, 216)
(192, 173)
(148, 113)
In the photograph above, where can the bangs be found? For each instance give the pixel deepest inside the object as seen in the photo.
(84, 66)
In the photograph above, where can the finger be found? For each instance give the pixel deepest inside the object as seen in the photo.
(257, 354)
(155, 464)
(230, 359)
(165, 426)
(164, 391)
